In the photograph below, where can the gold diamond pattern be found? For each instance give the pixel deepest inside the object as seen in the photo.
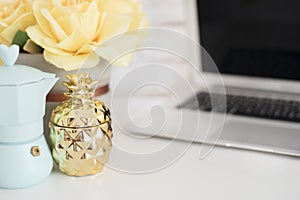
(80, 130)
(75, 151)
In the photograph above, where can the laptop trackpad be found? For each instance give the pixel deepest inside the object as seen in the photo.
(266, 136)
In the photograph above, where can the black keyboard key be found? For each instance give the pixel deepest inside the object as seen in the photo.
(268, 108)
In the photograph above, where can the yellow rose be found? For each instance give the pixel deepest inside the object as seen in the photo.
(14, 15)
(69, 30)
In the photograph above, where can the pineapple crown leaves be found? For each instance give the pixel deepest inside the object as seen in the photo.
(79, 84)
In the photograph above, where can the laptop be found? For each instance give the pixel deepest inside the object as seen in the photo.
(256, 47)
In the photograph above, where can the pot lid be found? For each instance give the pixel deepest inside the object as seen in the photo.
(13, 75)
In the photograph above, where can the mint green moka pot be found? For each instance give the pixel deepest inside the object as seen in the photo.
(24, 154)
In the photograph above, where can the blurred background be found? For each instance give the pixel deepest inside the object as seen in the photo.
(169, 14)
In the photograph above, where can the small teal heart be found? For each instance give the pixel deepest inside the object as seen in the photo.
(9, 55)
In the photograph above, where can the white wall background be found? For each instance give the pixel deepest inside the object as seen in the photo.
(169, 14)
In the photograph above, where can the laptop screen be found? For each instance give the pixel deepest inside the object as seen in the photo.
(258, 38)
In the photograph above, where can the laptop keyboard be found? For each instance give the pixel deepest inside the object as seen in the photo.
(276, 109)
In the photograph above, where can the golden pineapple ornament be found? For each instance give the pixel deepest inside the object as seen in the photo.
(80, 129)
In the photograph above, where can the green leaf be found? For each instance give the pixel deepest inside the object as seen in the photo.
(20, 38)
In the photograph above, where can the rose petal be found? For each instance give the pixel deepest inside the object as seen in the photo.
(87, 21)
(20, 24)
(129, 8)
(3, 26)
(109, 53)
(113, 25)
(71, 46)
(70, 63)
(63, 18)
(52, 46)
(85, 49)
(56, 3)
(119, 49)
(57, 31)
(120, 7)
(20, 10)
(39, 37)
(41, 21)
(139, 21)
(4, 41)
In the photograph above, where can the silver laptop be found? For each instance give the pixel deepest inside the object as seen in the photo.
(256, 46)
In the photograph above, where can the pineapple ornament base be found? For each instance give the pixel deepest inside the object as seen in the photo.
(80, 129)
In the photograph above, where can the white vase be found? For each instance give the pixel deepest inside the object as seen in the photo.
(100, 72)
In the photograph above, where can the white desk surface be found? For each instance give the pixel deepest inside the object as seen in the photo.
(225, 174)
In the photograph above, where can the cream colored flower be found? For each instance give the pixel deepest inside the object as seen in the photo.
(14, 15)
(69, 30)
